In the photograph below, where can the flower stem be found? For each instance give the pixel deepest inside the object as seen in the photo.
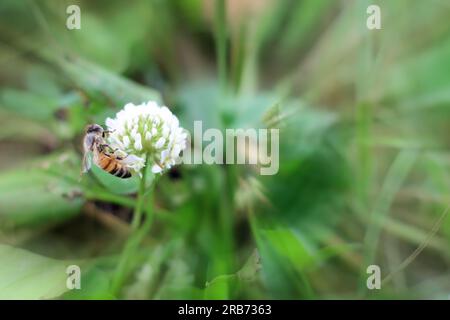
(104, 195)
(137, 215)
(136, 237)
(129, 251)
(221, 42)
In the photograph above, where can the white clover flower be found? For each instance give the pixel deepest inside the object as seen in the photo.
(148, 130)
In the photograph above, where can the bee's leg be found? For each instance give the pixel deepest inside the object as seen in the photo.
(107, 132)
(105, 149)
(113, 151)
(104, 146)
(107, 146)
(122, 158)
(110, 150)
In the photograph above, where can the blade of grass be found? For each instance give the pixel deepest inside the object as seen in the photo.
(419, 249)
(221, 42)
(395, 177)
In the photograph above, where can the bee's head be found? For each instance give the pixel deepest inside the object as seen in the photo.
(94, 128)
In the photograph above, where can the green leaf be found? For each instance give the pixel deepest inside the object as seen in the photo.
(25, 275)
(285, 260)
(94, 285)
(220, 286)
(288, 245)
(28, 104)
(36, 196)
(95, 79)
(119, 185)
(41, 81)
(95, 40)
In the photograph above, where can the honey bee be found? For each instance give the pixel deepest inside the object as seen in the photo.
(98, 151)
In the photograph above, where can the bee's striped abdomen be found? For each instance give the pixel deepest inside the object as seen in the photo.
(113, 166)
(123, 173)
(120, 171)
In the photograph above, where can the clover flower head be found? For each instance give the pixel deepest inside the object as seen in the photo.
(148, 130)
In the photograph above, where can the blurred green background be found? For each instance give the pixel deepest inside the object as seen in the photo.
(364, 119)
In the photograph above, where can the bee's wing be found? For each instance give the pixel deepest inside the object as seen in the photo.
(130, 159)
(87, 162)
(133, 162)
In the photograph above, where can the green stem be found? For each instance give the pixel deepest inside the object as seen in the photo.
(228, 208)
(109, 197)
(137, 215)
(221, 42)
(129, 251)
(136, 237)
